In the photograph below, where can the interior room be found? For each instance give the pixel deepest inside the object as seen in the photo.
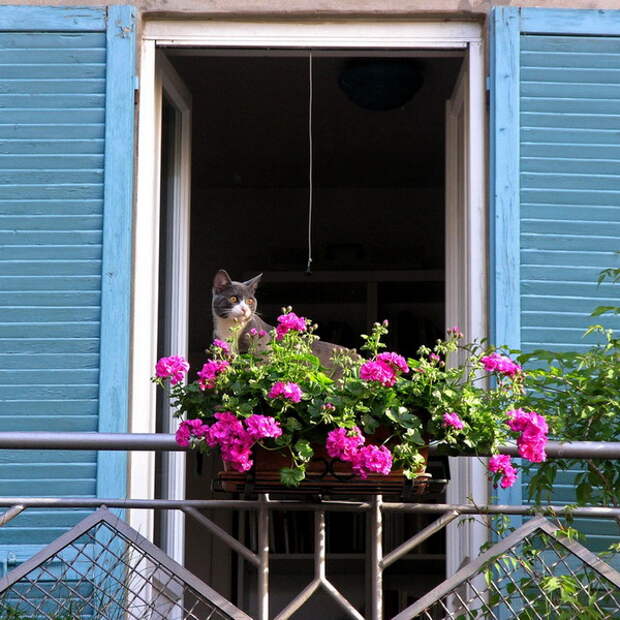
(338, 158)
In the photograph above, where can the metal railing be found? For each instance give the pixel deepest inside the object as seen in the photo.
(460, 596)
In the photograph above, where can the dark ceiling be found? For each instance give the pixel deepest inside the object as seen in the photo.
(250, 125)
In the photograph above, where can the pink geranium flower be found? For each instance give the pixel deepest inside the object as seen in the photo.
(396, 362)
(221, 344)
(174, 367)
(378, 372)
(498, 363)
(372, 459)
(261, 426)
(289, 322)
(501, 463)
(453, 420)
(234, 441)
(191, 429)
(210, 372)
(533, 428)
(288, 391)
(343, 443)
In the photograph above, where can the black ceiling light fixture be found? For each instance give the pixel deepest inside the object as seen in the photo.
(381, 84)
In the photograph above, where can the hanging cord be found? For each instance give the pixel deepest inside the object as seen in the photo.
(310, 175)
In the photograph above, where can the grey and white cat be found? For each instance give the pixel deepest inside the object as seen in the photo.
(234, 306)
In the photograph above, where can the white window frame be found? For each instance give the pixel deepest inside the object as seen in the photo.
(348, 34)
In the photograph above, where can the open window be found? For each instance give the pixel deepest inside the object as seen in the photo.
(395, 216)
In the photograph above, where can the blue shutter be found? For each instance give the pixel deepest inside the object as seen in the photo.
(555, 184)
(66, 124)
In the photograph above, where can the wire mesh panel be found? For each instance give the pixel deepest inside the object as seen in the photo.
(534, 574)
(103, 569)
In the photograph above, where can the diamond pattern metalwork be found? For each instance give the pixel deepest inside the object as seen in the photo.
(536, 573)
(104, 569)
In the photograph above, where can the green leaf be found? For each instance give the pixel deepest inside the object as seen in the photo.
(292, 424)
(604, 309)
(304, 449)
(292, 476)
(369, 423)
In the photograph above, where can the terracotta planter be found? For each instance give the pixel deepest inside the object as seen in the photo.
(324, 476)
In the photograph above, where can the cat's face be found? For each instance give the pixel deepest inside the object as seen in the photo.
(234, 300)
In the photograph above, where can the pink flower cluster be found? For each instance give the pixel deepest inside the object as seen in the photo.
(190, 429)
(396, 362)
(372, 459)
(501, 463)
(533, 428)
(498, 363)
(221, 344)
(210, 372)
(289, 322)
(174, 367)
(456, 331)
(288, 391)
(343, 443)
(384, 369)
(347, 445)
(257, 333)
(229, 434)
(261, 426)
(453, 420)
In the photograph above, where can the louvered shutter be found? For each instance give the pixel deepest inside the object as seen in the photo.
(555, 186)
(66, 124)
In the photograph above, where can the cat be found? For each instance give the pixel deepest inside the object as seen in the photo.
(234, 305)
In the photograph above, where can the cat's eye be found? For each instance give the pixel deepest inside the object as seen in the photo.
(250, 302)
(233, 299)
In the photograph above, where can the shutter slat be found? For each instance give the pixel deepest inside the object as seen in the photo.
(570, 44)
(17, 42)
(50, 252)
(560, 257)
(53, 221)
(570, 165)
(71, 146)
(57, 86)
(48, 162)
(51, 407)
(75, 101)
(50, 283)
(58, 423)
(27, 314)
(38, 116)
(50, 361)
(572, 105)
(48, 298)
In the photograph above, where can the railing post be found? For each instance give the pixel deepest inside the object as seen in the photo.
(263, 556)
(375, 523)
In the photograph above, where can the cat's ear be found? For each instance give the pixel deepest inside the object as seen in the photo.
(253, 283)
(221, 281)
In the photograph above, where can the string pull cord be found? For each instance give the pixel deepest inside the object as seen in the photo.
(310, 164)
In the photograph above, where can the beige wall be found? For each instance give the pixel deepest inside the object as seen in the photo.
(328, 7)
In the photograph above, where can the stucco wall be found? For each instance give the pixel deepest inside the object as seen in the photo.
(328, 7)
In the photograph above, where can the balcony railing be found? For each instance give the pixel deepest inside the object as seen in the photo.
(104, 569)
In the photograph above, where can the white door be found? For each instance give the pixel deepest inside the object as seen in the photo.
(160, 286)
(465, 277)
(173, 118)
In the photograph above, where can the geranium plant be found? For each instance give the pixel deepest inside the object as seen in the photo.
(375, 411)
